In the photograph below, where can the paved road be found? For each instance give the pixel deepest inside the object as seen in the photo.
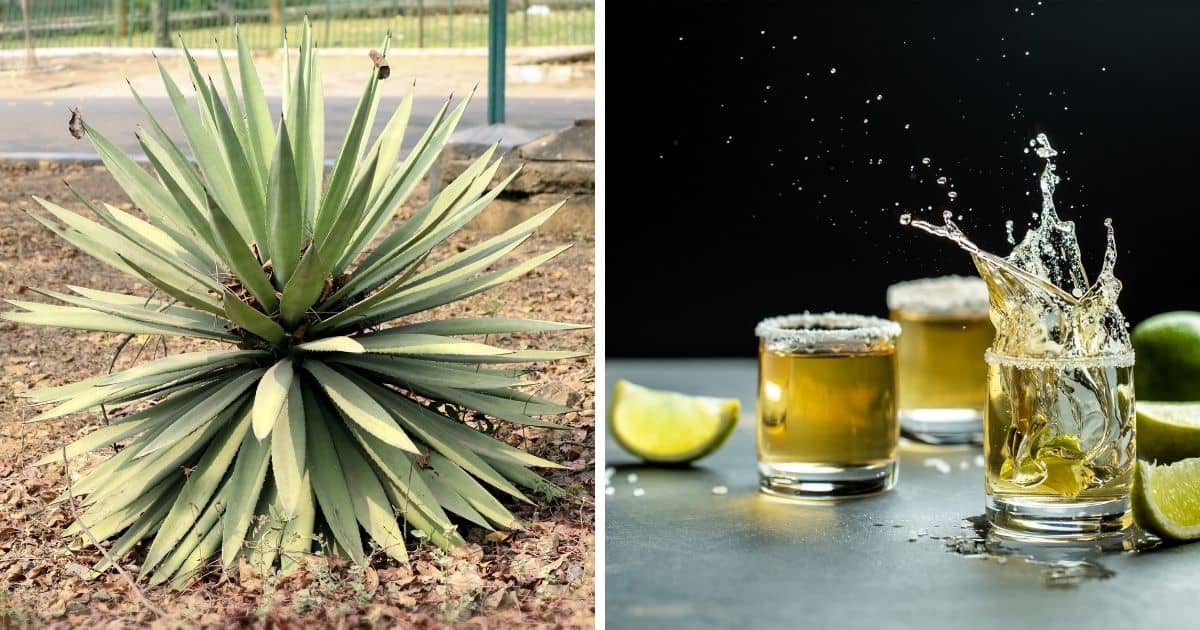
(40, 126)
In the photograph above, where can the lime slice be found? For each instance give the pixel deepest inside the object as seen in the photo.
(669, 427)
(1168, 356)
(1168, 432)
(1166, 499)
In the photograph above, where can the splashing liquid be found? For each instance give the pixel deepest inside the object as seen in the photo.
(1059, 426)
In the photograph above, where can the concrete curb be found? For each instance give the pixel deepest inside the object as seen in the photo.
(211, 53)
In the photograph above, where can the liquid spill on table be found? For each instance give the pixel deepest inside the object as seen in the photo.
(1060, 564)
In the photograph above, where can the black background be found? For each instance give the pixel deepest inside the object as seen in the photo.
(742, 180)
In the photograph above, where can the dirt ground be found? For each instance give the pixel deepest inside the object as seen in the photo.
(541, 576)
(529, 75)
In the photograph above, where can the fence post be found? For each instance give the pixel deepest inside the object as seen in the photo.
(328, 11)
(276, 13)
(120, 18)
(525, 25)
(420, 23)
(497, 43)
(450, 30)
(158, 21)
(30, 55)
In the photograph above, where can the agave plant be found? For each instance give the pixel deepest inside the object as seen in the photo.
(317, 419)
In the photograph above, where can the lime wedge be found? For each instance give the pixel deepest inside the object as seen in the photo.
(669, 427)
(1168, 432)
(1166, 499)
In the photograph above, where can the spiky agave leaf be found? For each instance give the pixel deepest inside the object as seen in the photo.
(318, 419)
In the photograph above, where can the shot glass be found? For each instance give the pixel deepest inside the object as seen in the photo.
(827, 415)
(940, 357)
(1060, 445)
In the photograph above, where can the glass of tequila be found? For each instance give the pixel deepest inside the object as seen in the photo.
(1060, 444)
(827, 416)
(940, 357)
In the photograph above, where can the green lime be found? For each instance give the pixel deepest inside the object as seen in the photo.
(1168, 432)
(669, 427)
(1166, 499)
(1168, 357)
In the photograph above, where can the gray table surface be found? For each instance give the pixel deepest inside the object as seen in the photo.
(681, 557)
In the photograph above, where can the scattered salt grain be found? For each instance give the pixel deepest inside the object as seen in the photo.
(637, 492)
(720, 490)
(632, 478)
(609, 490)
(938, 463)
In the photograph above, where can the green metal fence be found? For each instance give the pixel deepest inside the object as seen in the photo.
(338, 23)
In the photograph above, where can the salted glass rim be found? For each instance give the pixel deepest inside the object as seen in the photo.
(940, 295)
(800, 333)
(1109, 360)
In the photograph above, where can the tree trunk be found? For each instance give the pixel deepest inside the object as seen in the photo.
(30, 55)
(121, 18)
(158, 18)
(276, 13)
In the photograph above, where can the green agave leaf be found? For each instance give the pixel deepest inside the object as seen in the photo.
(429, 427)
(525, 478)
(243, 262)
(458, 433)
(142, 528)
(134, 477)
(112, 520)
(453, 501)
(104, 436)
(484, 326)
(401, 183)
(267, 531)
(404, 371)
(258, 117)
(86, 319)
(271, 397)
(402, 471)
(174, 162)
(288, 451)
(348, 158)
(478, 497)
(249, 190)
(253, 320)
(230, 394)
(199, 488)
(191, 566)
(166, 243)
(193, 298)
(371, 505)
(417, 344)
(211, 360)
(303, 289)
(510, 410)
(452, 208)
(296, 540)
(192, 203)
(203, 537)
(334, 243)
(201, 324)
(358, 406)
(238, 118)
(333, 344)
(387, 146)
(245, 482)
(284, 210)
(121, 393)
(214, 168)
(145, 193)
(329, 482)
(102, 243)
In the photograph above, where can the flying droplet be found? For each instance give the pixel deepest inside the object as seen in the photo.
(941, 180)
(952, 195)
(906, 219)
(879, 97)
(926, 161)
(833, 71)
(906, 125)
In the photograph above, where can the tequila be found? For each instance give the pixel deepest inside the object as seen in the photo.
(940, 357)
(1059, 423)
(827, 414)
